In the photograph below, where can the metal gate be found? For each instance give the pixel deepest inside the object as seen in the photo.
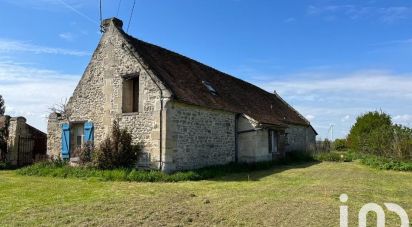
(25, 154)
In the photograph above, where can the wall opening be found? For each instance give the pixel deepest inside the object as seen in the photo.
(130, 95)
(77, 135)
(273, 141)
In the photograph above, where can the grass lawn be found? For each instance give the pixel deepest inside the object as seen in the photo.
(299, 195)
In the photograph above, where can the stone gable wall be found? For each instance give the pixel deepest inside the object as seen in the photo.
(300, 138)
(98, 97)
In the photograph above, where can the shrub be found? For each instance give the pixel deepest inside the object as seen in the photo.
(323, 145)
(402, 142)
(364, 126)
(116, 150)
(298, 156)
(6, 166)
(340, 144)
(334, 156)
(86, 153)
(4, 134)
(59, 168)
(374, 134)
(385, 163)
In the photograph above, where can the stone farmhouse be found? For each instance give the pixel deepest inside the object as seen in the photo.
(183, 113)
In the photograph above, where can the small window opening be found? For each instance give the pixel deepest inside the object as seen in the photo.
(210, 87)
(130, 95)
(273, 141)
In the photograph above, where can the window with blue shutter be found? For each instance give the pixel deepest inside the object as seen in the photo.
(88, 132)
(65, 141)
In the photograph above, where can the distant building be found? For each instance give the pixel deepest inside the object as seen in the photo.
(25, 144)
(185, 114)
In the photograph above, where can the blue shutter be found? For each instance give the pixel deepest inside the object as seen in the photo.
(65, 141)
(88, 132)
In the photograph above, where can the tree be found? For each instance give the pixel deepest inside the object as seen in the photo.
(62, 109)
(367, 129)
(3, 131)
(2, 106)
(339, 144)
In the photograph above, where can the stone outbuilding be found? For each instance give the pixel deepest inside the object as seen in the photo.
(24, 143)
(185, 114)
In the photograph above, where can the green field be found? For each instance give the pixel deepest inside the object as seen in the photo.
(298, 195)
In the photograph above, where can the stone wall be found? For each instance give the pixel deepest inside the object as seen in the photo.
(98, 96)
(310, 139)
(253, 146)
(198, 137)
(300, 138)
(54, 135)
(33, 139)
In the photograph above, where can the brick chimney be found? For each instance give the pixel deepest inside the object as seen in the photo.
(106, 23)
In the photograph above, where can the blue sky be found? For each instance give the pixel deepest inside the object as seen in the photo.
(332, 60)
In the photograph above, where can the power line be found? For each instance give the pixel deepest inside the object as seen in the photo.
(131, 14)
(118, 8)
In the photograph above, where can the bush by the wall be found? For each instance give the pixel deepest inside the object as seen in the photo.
(86, 153)
(116, 151)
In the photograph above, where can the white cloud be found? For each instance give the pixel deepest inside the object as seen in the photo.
(68, 36)
(10, 46)
(404, 119)
(354, 12)
(370, 83)
(29, 91)
(309, 117)
(345, 118)
(339, 98)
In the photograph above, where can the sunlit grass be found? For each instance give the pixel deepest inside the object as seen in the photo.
(294, 195)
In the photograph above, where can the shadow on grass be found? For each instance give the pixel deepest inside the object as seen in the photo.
(7, 166)
(252, 172)
(229, 172)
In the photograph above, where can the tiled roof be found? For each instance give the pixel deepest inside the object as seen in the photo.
(186, 79)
